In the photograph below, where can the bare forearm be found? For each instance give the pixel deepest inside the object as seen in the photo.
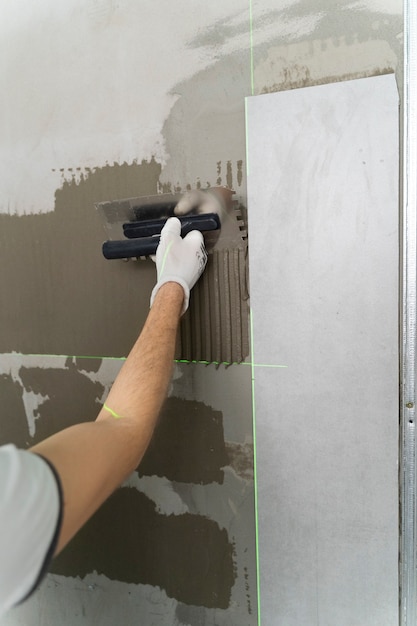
(141, 386)
(93, 459)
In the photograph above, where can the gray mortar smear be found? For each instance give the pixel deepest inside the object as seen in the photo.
(62, 296)
(65, 298)
(187, 446)
(71, 397)
(187, 555)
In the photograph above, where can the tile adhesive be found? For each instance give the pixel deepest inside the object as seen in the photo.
(66, 316)
(215, 326)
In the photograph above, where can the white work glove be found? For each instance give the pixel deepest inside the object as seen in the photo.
(179, 260)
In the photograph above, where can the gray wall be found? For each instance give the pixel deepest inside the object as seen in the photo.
(104, 100)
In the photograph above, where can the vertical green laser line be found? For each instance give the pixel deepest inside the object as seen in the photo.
(251, 48)
(255, 473)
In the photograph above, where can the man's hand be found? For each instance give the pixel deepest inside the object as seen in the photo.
(179, 260)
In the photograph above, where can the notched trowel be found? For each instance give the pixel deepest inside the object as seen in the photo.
(215, 327)
(133, 225)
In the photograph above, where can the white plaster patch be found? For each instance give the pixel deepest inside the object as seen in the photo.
(224, 503)
(108, 371)
(159, 490)
(32, 401)
(391, 7)
(10, 364)
(266, 26)
(106, 374)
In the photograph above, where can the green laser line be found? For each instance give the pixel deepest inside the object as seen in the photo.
(252, 364)
(165, 257)
(112, 413)
(251, 48)
(255, 472)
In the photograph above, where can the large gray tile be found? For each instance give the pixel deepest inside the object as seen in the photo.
(323, 224)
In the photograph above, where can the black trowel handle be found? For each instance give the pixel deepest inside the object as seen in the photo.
(130, 248)
(148, 228)
(139, 243)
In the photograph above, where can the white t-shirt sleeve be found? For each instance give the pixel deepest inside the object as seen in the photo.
(30, 521)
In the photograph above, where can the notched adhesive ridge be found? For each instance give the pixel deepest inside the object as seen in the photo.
(216, 325)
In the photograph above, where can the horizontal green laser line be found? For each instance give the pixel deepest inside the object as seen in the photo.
(123, 358)
(226, 363)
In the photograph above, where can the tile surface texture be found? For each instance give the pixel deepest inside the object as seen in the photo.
(323, 249)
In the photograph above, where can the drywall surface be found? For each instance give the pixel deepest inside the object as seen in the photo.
(103, 100)
(327, 425)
